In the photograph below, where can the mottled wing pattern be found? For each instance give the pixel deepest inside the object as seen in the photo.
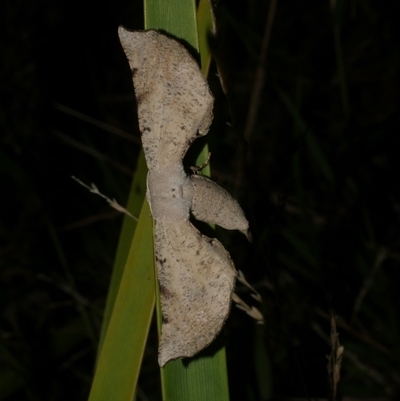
(173, 99)
(195, 288)
(212, 204)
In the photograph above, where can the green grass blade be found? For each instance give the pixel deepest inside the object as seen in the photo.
(134, 205)
(132, 291)
(205, 28)
(122, 351)
(204, 377)
(175, 17)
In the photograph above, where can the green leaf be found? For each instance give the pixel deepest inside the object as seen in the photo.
(175, 17)
(203, 377)
(131, 295)
(123, 347)
(135, 202)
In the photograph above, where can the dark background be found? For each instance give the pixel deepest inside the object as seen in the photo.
(317, 174)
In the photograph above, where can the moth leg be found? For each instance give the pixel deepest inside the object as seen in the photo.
(196, 169)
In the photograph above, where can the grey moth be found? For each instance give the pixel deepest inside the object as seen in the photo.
(195, 273)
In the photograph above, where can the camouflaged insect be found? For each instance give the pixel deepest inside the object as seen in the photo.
(196, 274)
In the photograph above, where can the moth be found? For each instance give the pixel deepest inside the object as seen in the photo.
(195, 273)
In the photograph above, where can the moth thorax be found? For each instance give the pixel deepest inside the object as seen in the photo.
(168, 200)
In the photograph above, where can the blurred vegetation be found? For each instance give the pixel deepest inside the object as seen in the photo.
(316, 170)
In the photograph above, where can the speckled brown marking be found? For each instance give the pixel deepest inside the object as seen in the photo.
(164, 292)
